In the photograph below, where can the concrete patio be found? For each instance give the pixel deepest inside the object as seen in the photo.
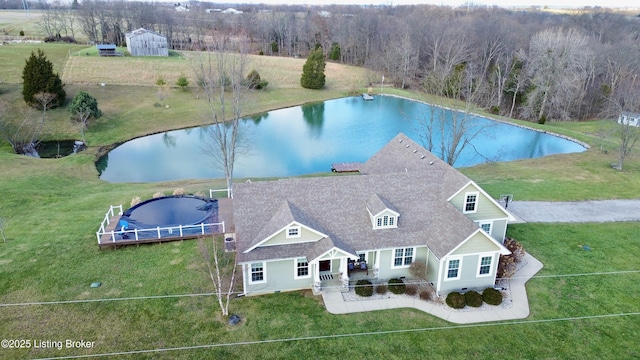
(519, 309)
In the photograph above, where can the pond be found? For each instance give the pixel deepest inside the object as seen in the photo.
(308, 139)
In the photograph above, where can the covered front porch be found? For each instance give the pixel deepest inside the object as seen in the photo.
(336, 270)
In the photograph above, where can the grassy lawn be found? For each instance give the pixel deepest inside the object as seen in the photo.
(52, 209)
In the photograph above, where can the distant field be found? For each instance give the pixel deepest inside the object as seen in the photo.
(278, 71)
(12, 21)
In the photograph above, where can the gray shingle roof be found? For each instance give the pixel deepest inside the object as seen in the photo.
(416, 184)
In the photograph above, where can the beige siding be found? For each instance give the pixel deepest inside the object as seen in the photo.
(281, 237)
(280, 276)
(433, 267)
(476, 244)
(486, 209)
(468, 275)
(386, 262)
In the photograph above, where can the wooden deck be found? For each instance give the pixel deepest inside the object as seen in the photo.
(225, 214)
(346, 167)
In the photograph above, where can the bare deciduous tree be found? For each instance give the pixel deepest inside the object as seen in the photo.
(221, 267)
(217, 75)
(447, 133)
(22, 134)
(557, 66)
(627, 100)
(44, 99)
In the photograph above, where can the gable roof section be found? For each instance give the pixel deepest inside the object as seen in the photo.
(286, 214)
(498, 247)
(402, 154)
(141, 31)
(376, 205)
(481, 190)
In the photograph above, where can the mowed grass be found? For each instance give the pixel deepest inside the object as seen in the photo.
(52, 209)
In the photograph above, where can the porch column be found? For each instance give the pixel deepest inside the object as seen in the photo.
(317, 285)
(344, 274)
(376, 265)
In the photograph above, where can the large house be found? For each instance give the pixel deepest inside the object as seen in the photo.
(406, 206)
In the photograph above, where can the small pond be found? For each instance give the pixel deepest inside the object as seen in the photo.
(57, 148)
(308, 139)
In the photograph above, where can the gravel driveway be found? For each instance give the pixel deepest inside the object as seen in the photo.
(581, 211)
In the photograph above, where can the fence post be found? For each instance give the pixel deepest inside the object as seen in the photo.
(135, 231)
(159, 237)
(180, 227)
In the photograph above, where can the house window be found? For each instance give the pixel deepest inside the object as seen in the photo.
(257, 272)
(453, 269)
(403, 257)
(486, 227)
(362, 257)
(485, 265)
(293, 232)
(470, 202)
(302, 268)
(385, 221)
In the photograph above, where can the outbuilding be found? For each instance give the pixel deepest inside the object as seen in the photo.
(143, 42)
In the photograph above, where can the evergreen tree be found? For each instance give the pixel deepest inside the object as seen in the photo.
(335, 54)
(183, 82)
(313, 70)
(38, 77)
(84, 107)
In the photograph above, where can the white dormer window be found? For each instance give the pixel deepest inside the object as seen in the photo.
(293, 232)
(385, 221)
(470, 202)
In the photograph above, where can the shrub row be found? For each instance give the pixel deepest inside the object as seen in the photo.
(397, 286)
(457, 300)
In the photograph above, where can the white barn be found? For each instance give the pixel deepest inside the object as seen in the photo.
(143, 42)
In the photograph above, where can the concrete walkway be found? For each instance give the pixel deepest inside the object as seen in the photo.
(335, 303)
(581, 211)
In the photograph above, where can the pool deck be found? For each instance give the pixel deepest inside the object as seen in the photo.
(225, 214)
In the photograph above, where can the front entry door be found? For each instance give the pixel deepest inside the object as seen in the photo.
(324, 265)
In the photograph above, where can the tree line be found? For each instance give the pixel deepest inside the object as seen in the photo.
(532, 64)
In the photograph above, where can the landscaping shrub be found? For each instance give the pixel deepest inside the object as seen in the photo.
(364, 288)
(455, 300)
(473, 299)
(381, 289)
(397, 286)
(492, 296)
(425, 295)
(411, 289)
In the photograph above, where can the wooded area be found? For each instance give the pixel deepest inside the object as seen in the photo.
(528, 64)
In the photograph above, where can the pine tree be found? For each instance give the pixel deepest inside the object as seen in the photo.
(38, 77)
(313, 70)
(84, 107)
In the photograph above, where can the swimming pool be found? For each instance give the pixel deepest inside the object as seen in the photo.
(169, 216)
